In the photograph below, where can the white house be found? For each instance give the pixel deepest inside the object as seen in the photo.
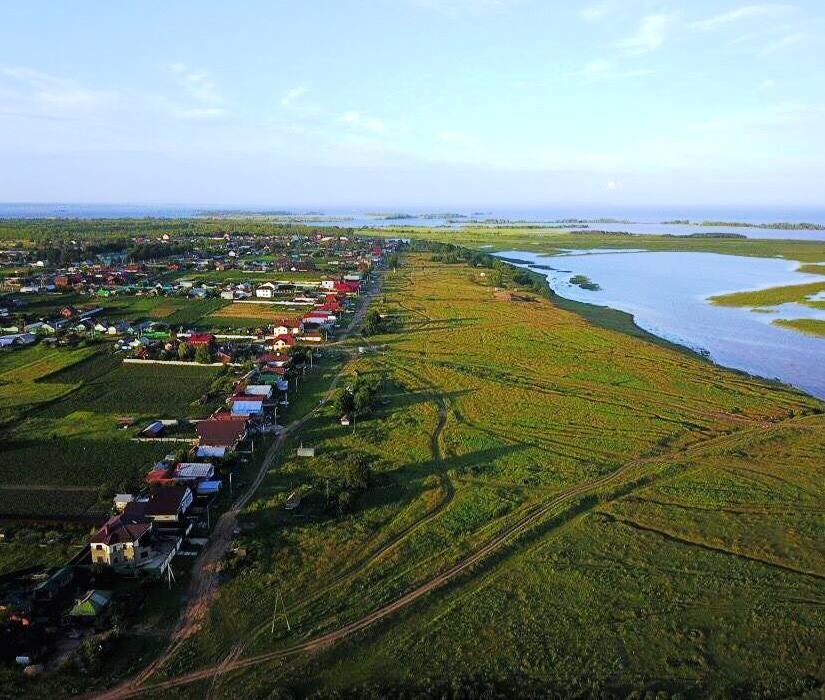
(265, 291)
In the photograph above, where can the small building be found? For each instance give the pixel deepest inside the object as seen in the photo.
(306, 451)
(246, 405)
(91, 605)
(193, 471)
(121, 500)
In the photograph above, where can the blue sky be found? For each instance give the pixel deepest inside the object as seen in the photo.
(413, 102)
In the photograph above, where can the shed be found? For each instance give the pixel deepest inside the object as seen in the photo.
(207, 488)
(92, 604)
(264, 390)
(306, 451)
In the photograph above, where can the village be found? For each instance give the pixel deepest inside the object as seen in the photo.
(49, 613)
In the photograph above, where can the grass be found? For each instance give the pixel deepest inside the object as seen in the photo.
(62, 445)
(697, 572)
(548, 240)
(798, 293)
(810, 326)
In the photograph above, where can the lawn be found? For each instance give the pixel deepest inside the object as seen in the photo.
(696, 570)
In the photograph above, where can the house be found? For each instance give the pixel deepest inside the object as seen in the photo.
(263, 390)
(287, 326)
(246, 405)
(123, 542)
(196, 339)
(91, 605)
(121, 500)
(166, 504)
(17, 340)
(193, 471)
(313, 337)
(265, 291)
(221, 433)
(283, 342)
(278, 359)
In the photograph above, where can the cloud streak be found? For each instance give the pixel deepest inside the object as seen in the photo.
(649, 36)
(740, 13)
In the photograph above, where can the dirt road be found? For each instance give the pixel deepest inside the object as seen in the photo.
(205, 578)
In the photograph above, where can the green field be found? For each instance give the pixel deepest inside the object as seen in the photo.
(549, 240)
(799, 293)
(695, 568)
(810, 326)
(62, 450)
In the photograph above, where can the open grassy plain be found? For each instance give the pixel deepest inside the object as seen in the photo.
(551, 240)
(799, 293)
(553, 505)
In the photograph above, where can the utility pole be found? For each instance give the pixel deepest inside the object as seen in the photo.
(279, 596)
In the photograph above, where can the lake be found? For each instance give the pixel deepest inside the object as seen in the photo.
(667, 295)
(640, 220)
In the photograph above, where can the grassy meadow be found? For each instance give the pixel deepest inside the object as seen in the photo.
(793, 293)
(697, 569)
(539, 239)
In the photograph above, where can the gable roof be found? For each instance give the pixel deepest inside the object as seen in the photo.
(120, 529)
(221, 432)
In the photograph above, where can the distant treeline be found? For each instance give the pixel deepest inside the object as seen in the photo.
(784, 226)
(51, 231)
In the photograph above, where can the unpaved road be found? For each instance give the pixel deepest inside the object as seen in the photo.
(203, 587)
(528, 520)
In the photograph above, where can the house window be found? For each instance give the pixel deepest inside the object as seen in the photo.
(98, 546)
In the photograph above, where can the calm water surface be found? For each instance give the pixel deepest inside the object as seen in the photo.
(667, 295)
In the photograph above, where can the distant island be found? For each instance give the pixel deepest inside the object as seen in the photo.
(783, 226)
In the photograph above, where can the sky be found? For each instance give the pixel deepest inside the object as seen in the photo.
(345, 103)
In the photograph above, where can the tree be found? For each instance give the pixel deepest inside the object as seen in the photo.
(373, 323)
(344, 403)
(203, 354)
(183, 351)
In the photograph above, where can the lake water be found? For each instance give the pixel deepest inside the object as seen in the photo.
(644, 220)
(667, 295)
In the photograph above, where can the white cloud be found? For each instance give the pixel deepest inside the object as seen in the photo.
(200, 113)
(364, 122)
(785, 42)
(594, 13)
(197, 83)
(613, 186)
(740, 13)
(649, 36)
(294, 94)
(57, 95)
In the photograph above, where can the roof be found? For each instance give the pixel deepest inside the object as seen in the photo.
(120, 529)
(200, 339)
(194, 470)
(166, 500)
(91, 604)
(224, 432)
(264, 390)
